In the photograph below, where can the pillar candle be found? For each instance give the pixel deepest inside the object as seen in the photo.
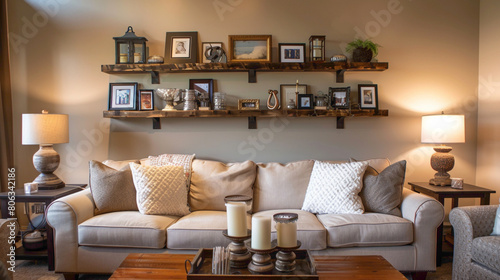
(261, 233)
(287, 234)
(236, 219)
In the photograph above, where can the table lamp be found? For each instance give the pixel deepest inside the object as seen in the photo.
(45, 130)
(441, 129)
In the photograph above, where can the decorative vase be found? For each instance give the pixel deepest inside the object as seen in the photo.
(362, 55)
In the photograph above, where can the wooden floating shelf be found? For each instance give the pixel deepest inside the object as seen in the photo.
(251, 67)
(252, 115)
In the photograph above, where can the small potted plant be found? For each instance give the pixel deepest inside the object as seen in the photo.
(362, 51)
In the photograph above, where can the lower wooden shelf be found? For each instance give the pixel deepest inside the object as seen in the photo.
(156, 115)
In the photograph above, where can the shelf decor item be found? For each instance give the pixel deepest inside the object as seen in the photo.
(248, 104)
(441, 129)
(317, 48)
(205, 87)
(250, 48)
(212, 52)
(130, 48)
(362, 51)
(292, 53)
(181, 47)
(340, 97)
(273, 103)
(305, 101)
(288, 93)
(168, 95)
(122, 96)
(46, 130)
(368, 96)
(146, 100)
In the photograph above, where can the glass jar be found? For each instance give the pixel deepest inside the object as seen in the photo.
(219, 101)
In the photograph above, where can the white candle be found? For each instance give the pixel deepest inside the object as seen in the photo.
(261, 233)
(287, 234)
(236, 218)
(297, 86)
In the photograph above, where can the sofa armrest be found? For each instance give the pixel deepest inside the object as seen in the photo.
(468, 223)
(427, 214)
(8, 232)
(64, 215)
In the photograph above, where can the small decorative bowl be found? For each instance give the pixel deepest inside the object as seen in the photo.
(155, 59)
(338, 57)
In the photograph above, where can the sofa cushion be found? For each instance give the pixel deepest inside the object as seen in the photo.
(119, 164)
(369, 229)
(310, 232)
(211, 181)
(281, 186)
(485, 252)
(334, 188)
(112, 190)
(378, 164)
(173, 159)
(161, 190)
(128, 229)
(200, 229)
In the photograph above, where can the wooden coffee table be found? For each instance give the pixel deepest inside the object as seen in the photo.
(171, 266)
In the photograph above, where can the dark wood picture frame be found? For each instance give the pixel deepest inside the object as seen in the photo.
(203, 85)
(368, 96)
(244, 43)
(181, 47)
(122, 96)
(289, 89)
(146, 100)
(292, 52)
(339, 97)
(305, 101)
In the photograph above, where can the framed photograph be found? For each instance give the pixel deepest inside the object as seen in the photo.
(249, 48)
(204, 47)
(288, 92)
(368, 96)
(181, 47)
(339, 97)
(146, 100)
(248, 104)
(305, 101)
(205, 86)
(292, 53)
(122, 96)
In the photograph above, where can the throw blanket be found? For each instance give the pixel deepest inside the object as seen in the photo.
(174, 159)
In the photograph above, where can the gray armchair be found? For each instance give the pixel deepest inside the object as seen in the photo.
(5, 232)
(476, 254)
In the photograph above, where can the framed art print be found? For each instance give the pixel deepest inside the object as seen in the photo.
(288, 92)
(181, 47)
(368, 96)
(205, 46)
(292, 53)
(122, 96)
(146, 100)
(304, 101)
(339, 97)
(205, 86)
(249, 48)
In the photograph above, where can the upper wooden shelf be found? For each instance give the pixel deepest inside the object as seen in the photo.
(251, 67)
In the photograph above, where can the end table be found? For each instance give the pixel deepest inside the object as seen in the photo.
(46, 196)
(440, 193)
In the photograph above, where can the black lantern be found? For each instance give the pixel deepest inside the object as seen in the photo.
(130, 48)
(317, 48)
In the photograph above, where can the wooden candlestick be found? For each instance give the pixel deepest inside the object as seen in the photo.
(285, 258)
(261, 259)
(239, 256)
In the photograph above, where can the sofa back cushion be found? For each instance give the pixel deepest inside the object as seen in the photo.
(281, 186)
(211, 181)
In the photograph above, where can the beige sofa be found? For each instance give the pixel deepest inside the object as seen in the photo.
(89, 243)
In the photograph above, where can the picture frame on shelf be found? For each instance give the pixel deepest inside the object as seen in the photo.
(146, 100)
(122, 96)
(249, 48)
(288, 91)
(368, 96)
(181, 47)
(339, 97)
(305, 101)
(204, 86)
(205, 46)
(292, 52)
(248, 104)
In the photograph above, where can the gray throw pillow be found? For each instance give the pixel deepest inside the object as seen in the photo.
(383, 192)
(112, 190)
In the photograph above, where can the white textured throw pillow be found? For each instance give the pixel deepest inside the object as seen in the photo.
(334, 188)
(161, 190)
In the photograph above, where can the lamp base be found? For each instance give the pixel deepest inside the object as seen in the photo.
(442, 161)
(46, 160)
(440, 182)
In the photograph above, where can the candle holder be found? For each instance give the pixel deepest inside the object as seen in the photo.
(261, 259)
(239, 256)
(285, 258)
(240, 198)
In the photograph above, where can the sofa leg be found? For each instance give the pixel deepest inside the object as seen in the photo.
(420, 275)
(70, 276)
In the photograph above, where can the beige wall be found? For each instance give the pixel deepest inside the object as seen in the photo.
(488, 130)
(431, 46)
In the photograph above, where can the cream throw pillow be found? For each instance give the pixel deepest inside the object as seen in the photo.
(161, 190)
(334, 188)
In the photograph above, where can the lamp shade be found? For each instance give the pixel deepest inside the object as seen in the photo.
(39, 129)
(443, 129)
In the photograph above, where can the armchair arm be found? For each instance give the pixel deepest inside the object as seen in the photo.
(8, 232)
(64, 215)
(468, 223)
(427, 214)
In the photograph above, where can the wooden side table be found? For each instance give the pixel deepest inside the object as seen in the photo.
(46, 196)
(440, 193)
